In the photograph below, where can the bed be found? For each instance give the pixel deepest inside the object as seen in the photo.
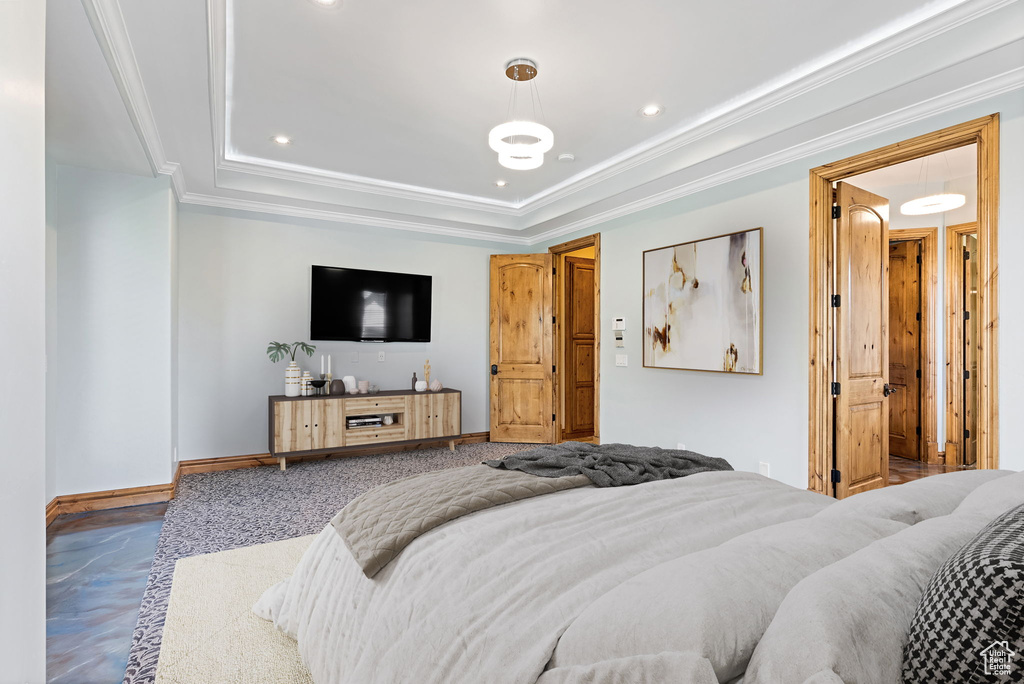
(678, 580)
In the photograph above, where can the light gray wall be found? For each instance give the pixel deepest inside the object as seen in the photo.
(110, 426)
(22, 342)
(244, 281)
(750, 419)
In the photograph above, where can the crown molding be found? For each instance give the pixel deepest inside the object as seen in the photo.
(962, 97)
(813, 76)
(112, 35)
(260, 206)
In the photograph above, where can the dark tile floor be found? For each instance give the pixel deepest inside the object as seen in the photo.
(96, 569)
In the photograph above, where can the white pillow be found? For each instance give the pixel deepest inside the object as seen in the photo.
(715, 603)
(848, 622)
(995, 498)
(660, 668)
(917, 500)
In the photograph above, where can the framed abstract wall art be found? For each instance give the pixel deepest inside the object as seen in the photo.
(702, 304)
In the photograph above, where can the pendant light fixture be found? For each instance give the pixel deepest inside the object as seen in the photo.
(521, 142)
(932, 204)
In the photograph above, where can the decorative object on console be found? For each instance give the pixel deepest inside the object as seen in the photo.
(413, 386)
(292, 374)
(426, 371)
(364, 386)
(421, 386)
(350, 384)
(318, 385)
(307, 384)
(374, 389)
(436, 386)
(702, 304)
(337, 387)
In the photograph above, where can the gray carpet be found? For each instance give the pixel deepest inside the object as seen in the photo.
(235, 508)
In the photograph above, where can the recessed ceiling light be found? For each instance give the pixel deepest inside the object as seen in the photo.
(651, 110)
(566, 157)
(324, 3)
(282, 140)
(500, 183)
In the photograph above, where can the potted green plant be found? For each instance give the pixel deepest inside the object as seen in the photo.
(292, 375)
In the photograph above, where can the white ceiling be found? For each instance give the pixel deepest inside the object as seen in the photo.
(86, 120)
(389, 103)
(929, 173)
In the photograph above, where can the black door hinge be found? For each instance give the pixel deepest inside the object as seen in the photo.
(967, 255)
(836, 211)
(554, 270)
(836, 301)
(967, 315)
(836, 388)
(918, 373)
(918, 258)
(552, 320)
(918, 430)
(552, 416)
(967, 375)
(552, 369)
(918, 315)
(836, 477)
(967, 434)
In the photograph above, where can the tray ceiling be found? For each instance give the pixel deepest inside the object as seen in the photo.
(388, 104)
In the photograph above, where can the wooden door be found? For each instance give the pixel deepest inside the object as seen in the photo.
(522, 355)
(579, 335)
(293, 426)
(861, 341)
(971, 349)
(905, 349)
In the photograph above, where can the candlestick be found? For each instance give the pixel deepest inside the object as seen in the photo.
(328, 364)
(328, 385)
(321, 364)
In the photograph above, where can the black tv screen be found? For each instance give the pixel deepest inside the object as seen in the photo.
(369, 306)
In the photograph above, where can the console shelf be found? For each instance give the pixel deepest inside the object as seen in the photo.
(301, 426)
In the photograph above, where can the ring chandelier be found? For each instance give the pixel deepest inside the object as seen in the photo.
(521, 143)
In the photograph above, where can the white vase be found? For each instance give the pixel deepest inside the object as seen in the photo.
(292, 380)
(421, 385)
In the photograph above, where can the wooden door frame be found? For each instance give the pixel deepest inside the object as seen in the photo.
(985, 133)
(929, 411)
(954, 339)
(557, 250)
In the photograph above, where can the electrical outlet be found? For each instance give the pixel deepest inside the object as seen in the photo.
(621, 360)
(764, 469)
(680, 446)
(380, 357)
(354, 358)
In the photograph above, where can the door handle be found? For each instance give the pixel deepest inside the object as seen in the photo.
(888, 389)
(494, 369)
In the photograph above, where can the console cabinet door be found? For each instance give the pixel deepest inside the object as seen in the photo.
(446, 414)
(293, 426)
(418, 415)
(328, 423)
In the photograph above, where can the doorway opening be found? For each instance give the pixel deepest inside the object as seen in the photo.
(545, 344)
(879, 316)
(577, 266)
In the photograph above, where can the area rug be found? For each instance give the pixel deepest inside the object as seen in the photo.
(237, 508)
(210, 632)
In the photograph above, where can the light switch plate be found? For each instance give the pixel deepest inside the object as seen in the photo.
(621, 360)
(380, 357)
(764, 468)
(618, 324)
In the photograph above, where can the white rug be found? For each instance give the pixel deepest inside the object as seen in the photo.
(211, 634)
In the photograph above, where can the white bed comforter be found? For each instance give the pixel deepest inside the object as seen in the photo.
(486, 597)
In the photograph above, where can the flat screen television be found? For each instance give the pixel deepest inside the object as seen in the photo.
(369, 306)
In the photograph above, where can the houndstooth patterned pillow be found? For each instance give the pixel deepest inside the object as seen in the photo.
(970, 624)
